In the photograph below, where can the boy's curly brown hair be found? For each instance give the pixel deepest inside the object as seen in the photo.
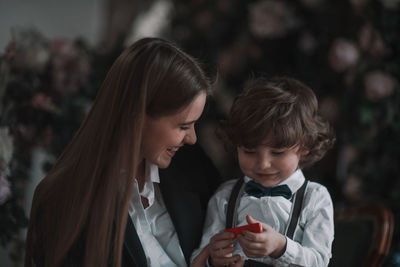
(280, 112)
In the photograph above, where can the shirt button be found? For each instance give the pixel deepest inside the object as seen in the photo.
(265, 201)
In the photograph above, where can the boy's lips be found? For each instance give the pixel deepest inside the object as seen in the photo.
(267, 175)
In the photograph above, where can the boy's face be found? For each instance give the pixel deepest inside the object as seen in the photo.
(269, 166)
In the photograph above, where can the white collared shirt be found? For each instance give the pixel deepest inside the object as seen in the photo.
(312, 241)
(154, 225)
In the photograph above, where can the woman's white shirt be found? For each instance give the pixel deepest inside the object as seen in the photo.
(154, 225)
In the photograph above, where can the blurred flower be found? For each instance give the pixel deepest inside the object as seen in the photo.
(6, 151)
(352, 188)
(5, 191)
(378, 85)
(307, 43)
(46, 136)
(370, 40)
(70, 66)
(232, 60)
(391, 4)
(28, 51)
(27, 132)
(271, 19)
(204, 20)
(358, 4)
(6, 148)
(348, 154)
(44, 102)
(311, 3)
(329, 108)
(343, 54)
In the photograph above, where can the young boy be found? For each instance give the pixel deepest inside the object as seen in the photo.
(275, 128)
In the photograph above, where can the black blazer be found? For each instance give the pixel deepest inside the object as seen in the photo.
(186, 186)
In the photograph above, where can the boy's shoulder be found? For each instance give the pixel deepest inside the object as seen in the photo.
(226, 187)
(315, 187)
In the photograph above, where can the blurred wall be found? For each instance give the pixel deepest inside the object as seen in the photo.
(53, 18)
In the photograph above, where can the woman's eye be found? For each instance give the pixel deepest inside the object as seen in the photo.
(277, 153)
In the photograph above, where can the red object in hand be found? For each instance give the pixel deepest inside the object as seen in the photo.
(254, 227)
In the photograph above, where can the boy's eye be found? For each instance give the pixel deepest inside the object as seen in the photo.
(248, 151)
(184, 128)
(277, 152)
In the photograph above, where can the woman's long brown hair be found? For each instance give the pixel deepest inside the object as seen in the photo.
(84, 199)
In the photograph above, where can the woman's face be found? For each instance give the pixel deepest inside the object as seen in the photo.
(163, 136)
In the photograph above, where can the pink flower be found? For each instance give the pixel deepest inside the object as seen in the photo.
(70, 66)
(371, 41)
(5, 191)
(271, 19)
(44, 102)
(343, 55)
(379, 85)
(6, 148)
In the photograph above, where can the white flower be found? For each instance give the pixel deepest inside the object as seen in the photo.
(343, 55)
(6, 148)
(271, 19)
(378, 85)
(31, 50)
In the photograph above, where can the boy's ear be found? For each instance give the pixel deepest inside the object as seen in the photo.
(304, 152)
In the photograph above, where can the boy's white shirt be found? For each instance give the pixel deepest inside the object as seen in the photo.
(312, 241)
(154, 225)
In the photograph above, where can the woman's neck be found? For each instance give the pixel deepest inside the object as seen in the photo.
(140, 174)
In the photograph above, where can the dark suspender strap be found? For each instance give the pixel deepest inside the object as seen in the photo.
(298, 203)
(232, 204)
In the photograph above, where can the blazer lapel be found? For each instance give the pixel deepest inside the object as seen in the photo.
(133, 254)
(185, 210)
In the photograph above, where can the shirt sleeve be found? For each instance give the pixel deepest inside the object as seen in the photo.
(216, 215)
(316, 243)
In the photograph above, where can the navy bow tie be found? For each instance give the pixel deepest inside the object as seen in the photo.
(255, 189)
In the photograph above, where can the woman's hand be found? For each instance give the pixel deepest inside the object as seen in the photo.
(258, 245)
(221, 248)
(201, 259)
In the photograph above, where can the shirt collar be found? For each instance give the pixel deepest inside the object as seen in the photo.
(151, 176)
(294, 181)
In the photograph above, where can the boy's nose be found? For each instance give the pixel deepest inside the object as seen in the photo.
(264, 163)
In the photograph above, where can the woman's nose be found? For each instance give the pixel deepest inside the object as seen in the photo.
(190, 137)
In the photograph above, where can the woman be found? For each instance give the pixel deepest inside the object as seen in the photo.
(101, 204)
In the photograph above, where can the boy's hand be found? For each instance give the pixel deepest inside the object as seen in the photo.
(221, 248)
(258, 245)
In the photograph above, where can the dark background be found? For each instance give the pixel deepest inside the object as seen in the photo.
(346, 51)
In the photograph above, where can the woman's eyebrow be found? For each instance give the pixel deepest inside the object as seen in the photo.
(188, 122)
